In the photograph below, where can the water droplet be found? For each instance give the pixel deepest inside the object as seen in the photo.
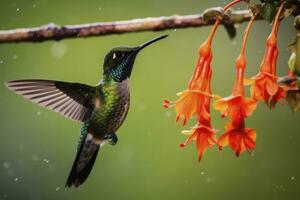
(18, 9)
(168, 113)
(208, 179)
(57, 188)
(202, 173)
(16, 179)
(46, 160)
(38, 112)
(1, 61)
(35, 158)
(6, 165)
(58, 50)
(175, 29)
(99, 8)
(15, 57)
(293, 178)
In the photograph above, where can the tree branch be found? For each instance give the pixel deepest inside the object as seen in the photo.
(55, 32)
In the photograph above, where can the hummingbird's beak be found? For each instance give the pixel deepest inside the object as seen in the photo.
(140, 47)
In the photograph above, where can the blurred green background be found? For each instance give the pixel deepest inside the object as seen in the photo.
(37, 146)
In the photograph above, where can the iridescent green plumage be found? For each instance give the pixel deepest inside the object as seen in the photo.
(101, 109)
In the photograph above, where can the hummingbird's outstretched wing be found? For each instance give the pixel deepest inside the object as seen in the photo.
(73, 100)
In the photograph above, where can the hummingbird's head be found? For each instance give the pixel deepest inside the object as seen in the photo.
(118, 61)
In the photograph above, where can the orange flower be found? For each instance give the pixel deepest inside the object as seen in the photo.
(237, 107)
(238, 137)
(193, 100)
(264, 84)
(234, 106)
(203, 134)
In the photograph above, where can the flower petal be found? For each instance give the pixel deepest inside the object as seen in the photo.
(271, 87)
(250, 106)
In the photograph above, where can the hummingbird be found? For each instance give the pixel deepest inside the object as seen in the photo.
(100, 109)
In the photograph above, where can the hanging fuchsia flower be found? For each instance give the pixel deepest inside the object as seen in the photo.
(238, 137)
(237, 107)
(264, 84)
(195, 100)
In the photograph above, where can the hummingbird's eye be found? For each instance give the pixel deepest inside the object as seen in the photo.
(118, 54)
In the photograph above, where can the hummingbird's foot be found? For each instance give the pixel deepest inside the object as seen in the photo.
(112, 138)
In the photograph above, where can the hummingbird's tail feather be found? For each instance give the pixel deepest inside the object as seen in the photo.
(84, 161)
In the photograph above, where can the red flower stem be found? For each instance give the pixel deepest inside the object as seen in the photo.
(276, 20)
(217, 22)
(246, 34)
(231, 4)
(238, 88)
(205, 54)
(268, 64)
(275, 31)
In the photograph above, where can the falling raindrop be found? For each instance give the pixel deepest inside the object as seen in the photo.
(6, 165)
(57, 188)
(46, 160)
(35, 157)
(293, 178)
(168, 113)
(99, 8)
(175, 29)
(18, 9)
(208, 180)
(38, 112)
(16, 179)
(15, 57)
(202, 173)
(1, 61)
(58, 50)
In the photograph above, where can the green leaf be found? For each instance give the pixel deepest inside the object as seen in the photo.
(293, 99)
(297, 56)
(268, 11)
(292, 62)
(231, 30)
